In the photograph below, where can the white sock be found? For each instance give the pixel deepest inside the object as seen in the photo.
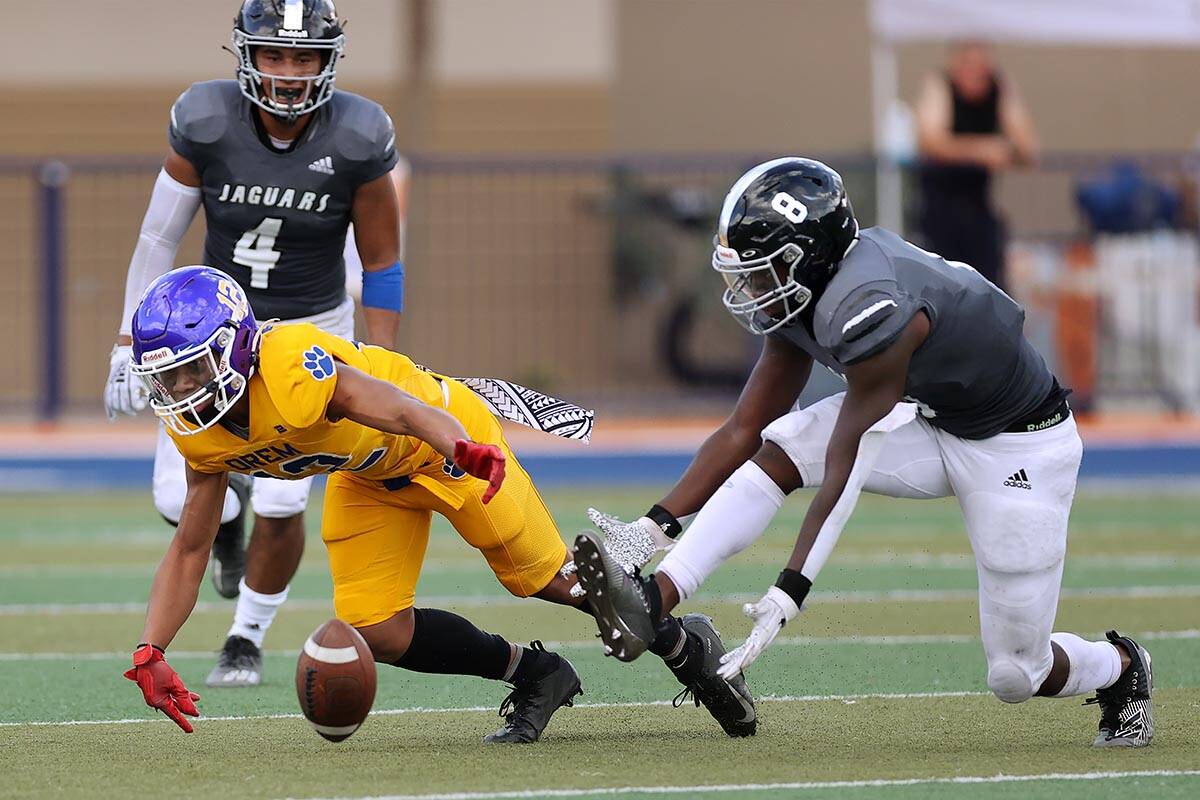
(255, 612)
(737, 514)
(1094, 665)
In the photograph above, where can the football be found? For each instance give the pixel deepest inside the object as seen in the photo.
(335, 680)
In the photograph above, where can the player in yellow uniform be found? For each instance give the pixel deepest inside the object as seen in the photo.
(399, 443)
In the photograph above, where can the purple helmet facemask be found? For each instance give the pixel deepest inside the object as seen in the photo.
(194, 343)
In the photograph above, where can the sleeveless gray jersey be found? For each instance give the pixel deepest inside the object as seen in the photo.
(973, 376)
(277, 220)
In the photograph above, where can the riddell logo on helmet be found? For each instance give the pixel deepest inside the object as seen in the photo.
(727, 254)
(288, 33)
(157, 355)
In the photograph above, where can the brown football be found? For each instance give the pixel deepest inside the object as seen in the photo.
(335, 680)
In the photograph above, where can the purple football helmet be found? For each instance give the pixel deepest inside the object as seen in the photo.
(194, 342)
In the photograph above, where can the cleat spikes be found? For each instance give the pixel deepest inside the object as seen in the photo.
(617, 598)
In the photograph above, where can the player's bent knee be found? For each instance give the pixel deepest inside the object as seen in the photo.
(802, 436)
(280, 505)
(1010, 682)
(170, 506)
(778, 466)
(276, 499)
(389, 640)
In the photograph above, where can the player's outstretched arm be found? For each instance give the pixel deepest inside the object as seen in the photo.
(177, 580)
(875, 386)
(381, 405)
(773, 386)
(173, 596)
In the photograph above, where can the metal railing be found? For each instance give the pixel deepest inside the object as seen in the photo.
(584, 276)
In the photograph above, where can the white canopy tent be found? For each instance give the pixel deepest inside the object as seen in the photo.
(1115, 23)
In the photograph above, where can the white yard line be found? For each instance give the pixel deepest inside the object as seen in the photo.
(798, 785)
(814, 698)
(897, 559)
(572, 644)
(475, 601)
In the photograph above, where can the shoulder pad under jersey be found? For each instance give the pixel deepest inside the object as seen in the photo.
(863, 309)
(364, 135)
(202, 113)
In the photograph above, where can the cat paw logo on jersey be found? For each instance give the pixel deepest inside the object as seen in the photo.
(1019, 480)
(318, 362)
(453, 470)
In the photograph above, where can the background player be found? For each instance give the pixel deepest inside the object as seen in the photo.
(292, 401)
(994, 430)
(282, 165)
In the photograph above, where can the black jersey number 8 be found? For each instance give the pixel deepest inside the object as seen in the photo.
(256, 250)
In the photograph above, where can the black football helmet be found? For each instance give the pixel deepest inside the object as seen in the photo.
(784, 228)
(312, 24)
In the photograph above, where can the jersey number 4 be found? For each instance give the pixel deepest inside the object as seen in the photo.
(256, 250)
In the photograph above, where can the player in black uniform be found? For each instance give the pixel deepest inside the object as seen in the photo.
(945, 396)
(282, 165)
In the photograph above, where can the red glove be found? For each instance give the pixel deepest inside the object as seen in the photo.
(162, 687)
(484, 461)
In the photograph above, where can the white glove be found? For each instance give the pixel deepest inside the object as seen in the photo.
(632, 544)
(124, 393)
(770, 614)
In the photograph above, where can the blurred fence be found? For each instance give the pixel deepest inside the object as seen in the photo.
(583, 276)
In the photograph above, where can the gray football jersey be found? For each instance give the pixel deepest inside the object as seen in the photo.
(974, 375)
(277, 220)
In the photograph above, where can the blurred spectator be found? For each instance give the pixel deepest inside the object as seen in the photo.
(971, 122)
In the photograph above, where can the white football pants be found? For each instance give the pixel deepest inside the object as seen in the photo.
(269, 497)
(1015, 491)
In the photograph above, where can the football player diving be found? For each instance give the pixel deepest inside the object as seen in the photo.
(291, 401)
(282, 165)
(944, 397)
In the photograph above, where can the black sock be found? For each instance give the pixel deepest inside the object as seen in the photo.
(448, 644)
(653, 596)
(668, 635)
(535, 664)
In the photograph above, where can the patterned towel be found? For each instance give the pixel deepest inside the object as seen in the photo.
(533, 409)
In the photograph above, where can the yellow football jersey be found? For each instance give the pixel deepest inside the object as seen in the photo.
(290, 436)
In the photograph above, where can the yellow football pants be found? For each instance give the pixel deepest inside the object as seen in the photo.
(376, 537)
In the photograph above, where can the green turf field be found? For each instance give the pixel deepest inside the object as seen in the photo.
(878, 691)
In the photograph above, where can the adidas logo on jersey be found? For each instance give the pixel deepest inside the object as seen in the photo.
(323, 165)
(1019, 480)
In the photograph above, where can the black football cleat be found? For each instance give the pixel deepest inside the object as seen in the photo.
(229, 548)
(530, 704)
(616, 597)
(240, 664)
(1126, 719)
(729, 702)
